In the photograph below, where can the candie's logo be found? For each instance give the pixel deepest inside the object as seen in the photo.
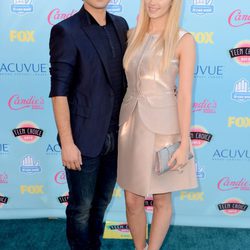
(241, 53)
(56, 15)
(27, 132)
(233, 207)
(237, 18)
(200, 136)
(227, 184)
(16, 102)
(206, 106)
(60, 177)
(203, 37)
(3, 178)
(23, 36)
(241, 92)
(240, 122)
(22, 7)
(202, 7)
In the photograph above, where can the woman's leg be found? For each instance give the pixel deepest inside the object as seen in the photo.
(136, 217)
(161, 220)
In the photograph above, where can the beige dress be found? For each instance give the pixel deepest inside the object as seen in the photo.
(148, 122)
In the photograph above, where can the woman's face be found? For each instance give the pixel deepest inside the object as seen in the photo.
(157, 8)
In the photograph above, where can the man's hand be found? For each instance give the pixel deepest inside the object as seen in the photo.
(71, 157)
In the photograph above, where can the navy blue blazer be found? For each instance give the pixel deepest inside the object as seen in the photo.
(79, 70)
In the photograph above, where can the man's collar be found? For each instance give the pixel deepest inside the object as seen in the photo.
(92, 20)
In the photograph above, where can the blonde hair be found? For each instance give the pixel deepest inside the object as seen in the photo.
(168, 39)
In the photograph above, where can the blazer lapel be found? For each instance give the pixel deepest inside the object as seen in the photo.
(94, 37)
(121, 33)
(93, 33)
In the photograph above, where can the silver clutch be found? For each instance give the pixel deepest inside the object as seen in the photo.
(164, 155)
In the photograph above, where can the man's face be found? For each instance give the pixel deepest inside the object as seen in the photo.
(97, 4)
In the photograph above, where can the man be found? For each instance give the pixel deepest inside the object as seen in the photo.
(87, 88)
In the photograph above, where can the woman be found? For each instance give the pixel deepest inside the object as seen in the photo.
(153, 116)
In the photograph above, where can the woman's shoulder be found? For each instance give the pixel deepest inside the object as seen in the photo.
(131, 32)
(185, 36)
(183, 32)
(185, 43)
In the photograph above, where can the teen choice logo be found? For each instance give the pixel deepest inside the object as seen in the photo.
(149, 204)
(199, 136)
(120, 228)
(241, 54)
(233, 207)
(27, 132)
(3, 200)
(64, 199)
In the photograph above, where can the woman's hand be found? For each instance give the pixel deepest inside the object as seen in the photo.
(179, 158)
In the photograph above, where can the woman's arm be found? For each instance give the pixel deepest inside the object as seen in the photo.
(186, 75)
(186, 55)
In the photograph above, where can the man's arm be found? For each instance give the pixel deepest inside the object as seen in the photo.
(71, 155)
(62, 59)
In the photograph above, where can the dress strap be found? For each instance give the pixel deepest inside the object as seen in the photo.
(182, 33)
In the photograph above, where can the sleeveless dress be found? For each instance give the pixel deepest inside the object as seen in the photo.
(148, 122)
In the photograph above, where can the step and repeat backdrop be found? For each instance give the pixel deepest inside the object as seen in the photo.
(32, 179)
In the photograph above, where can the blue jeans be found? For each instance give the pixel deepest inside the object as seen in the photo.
(90, 192)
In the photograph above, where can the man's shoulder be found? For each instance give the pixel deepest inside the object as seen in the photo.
(69, 24)
(119, 19)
